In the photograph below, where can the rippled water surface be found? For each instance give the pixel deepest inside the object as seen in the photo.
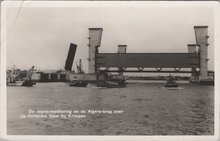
(148, 109)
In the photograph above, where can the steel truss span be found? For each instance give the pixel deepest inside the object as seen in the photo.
(148, 60)
(147, 71)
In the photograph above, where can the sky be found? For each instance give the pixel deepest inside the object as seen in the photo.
(41, 36)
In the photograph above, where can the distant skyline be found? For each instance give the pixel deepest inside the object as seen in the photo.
(41, 36)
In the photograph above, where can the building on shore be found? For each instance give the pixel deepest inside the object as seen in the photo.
(50, 76)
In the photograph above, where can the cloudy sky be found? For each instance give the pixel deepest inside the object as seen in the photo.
(41, 36)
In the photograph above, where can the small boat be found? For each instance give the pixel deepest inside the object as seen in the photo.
(14, 83)
(28, 83)
(78, 83)
(171, 82)
(111, 84)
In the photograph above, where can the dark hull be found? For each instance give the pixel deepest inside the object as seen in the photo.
(207, 82)
(115, 86)
(78, 84)
(28, 83)
(25, 83)
(171, 85)
(111, 85)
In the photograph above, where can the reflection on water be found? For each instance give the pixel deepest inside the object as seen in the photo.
(149, 109)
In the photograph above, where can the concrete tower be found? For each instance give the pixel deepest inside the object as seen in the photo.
(201, 33)
(192, 48)
(95, 36)
(121, 49)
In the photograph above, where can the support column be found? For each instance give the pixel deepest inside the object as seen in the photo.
(192, 48)
(58, 76)
(49, 76)
(201, 33)
(95, 36)
(121, 49)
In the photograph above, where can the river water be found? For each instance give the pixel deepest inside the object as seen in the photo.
(142, 108)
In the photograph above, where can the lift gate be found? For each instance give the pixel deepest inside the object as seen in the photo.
(147, 60)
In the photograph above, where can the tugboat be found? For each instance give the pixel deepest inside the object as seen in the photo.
(112, 84)
(171, 82)
(115, 85)
(28, 83)
(78, 83)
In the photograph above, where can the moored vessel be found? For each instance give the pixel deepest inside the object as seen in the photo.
(14, 79)
(78, 83)
(111, 84)
(171, 82)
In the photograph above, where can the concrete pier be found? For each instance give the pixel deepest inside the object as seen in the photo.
(192, 48)
(121, 49)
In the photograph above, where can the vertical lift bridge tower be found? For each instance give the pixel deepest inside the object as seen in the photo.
(201, 33)
(193, 59)
(95, 36)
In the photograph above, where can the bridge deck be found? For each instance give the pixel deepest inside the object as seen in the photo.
(148, 60)
(151, 71)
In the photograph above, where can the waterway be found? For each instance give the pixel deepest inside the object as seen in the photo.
(142, 108)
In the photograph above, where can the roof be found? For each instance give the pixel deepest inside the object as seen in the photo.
(192, 45)
(95, 28)
(201, 26)
(122, 45)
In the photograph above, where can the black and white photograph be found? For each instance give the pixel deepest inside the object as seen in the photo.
(117, 68)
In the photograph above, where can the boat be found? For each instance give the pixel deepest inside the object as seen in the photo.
(111, 84)
(28, 83)
(115, 85)
(14, 83)
(171, 82)
(78, 83)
